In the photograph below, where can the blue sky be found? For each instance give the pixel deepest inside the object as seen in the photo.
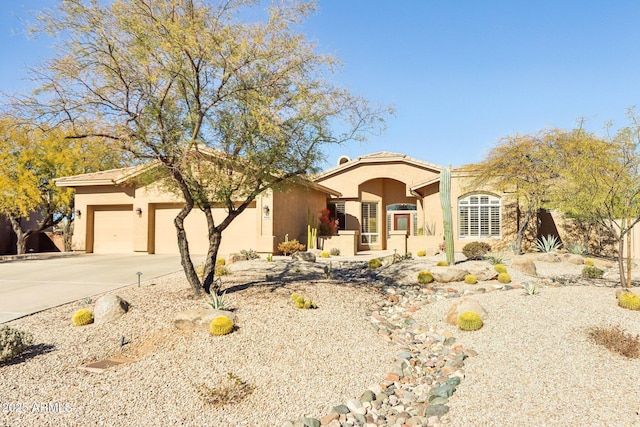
(461, 74)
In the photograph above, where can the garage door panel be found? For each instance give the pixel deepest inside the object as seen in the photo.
(113, 229)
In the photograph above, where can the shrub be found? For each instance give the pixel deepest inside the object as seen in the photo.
(576, 248)
(504, 278)
(13, 342)
(291, 247)
(221, 325)
(325, 254)
(334, 251)
(548, 243)
(425, 277)
(592, 272)
(629, 300)
(470, 279)
(221, 270)
(589, 261)
(231, 390)
(269, 257)
(82, 317)
(221, 261)
(421, 253)
(302, 302)
(469, 321)
(442, 264)
(476, 250)
(250, 253)
(617, 340)
(495, 258)
(500, 268)
(374, 263)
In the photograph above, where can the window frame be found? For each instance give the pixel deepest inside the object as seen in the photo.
(480, 216)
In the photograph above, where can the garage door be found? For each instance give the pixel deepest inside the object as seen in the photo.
(113, 229)
(239, 235)
(166, 240)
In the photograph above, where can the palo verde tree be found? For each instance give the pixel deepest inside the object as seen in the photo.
(227, 108)
(521, 167)
(30, 159)
(600, 182)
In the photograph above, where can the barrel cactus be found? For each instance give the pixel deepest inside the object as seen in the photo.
(303, 302)
(629, 300)
(421, 253)
(374, 263)
(470, 279)
(82, 317)
(469, 321)
(425, 277)
(221, 325)
(442, 264)
(504, 278)
(500, 268)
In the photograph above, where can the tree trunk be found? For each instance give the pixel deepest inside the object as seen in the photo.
(183, 245)
(521, 230)
(22, 236)
(623, 280)
(67, 235)
(215, 239)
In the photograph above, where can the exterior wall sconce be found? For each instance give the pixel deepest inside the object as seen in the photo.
(78, 213)
(266, 211)
(139, 211)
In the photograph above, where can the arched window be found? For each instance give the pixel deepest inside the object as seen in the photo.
(479, 216)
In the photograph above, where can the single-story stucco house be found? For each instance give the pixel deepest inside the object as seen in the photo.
(381, 201)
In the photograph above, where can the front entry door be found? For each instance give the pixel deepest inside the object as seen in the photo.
(401, 222)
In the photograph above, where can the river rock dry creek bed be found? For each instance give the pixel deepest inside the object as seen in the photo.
(376, 352)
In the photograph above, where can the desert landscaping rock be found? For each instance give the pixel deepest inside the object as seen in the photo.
(462, 305)
(304, 256)
(525, 265)
(448, 274)
(109, 308)
(198, 319)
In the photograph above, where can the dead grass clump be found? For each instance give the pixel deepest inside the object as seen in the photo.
(617, 340)
(230, 390)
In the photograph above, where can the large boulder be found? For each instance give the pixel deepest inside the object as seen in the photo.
(236, 258)
(460, 306)
(483, 273)
(448, 274)
(304, 256)
(575, 259)
(108, 308)
(549, 257)
(198, 319)
(524, 265)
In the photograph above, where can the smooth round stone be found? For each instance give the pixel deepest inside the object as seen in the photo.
(439, 401)
(405, 355)
(341, 409)
(310, 422)
(368, 396)
(438, 410)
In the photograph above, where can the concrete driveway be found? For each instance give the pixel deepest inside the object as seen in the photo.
(44, 281)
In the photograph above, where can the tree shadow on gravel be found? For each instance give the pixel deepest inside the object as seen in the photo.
(31, 352)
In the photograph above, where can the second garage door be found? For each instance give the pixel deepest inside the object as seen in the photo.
(113, 229)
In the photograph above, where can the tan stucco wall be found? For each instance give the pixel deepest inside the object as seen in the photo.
(291, 211)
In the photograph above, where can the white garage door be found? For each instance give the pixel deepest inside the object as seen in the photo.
(113, 229)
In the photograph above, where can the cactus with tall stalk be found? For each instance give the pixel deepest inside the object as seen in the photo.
(445, 202)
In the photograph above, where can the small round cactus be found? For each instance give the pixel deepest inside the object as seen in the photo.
(221, 261)
(421, 253)
(500, 268)
(442, 264)
(470, 279)
(82, 317)
(504, 278)
(221, 325)
(374, 263)
(589, 262)
(325, 254)
(425, 277)
(469, 321)
(629, 300)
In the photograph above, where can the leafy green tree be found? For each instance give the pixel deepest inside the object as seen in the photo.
(522, 167)
(226, 107)
(600, 182)
(30, 160)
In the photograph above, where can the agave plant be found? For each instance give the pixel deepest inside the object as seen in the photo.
(217, 301)
(496, 257)
(548, 243)
(576, 248)
(531, 288)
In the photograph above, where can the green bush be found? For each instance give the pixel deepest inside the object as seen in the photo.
(592, 272)
(425, 277)
(476, 250)
(374, 263)
(250, 254)
(13, 342)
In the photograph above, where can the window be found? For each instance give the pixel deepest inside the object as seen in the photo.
(337, 212)
(369, 223)
(402, 216)
(479, 216)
